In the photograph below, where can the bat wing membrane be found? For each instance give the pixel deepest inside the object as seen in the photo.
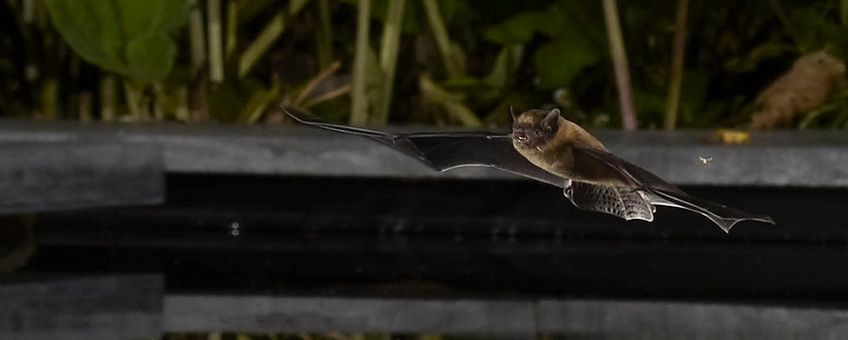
(661, 192)
(446, 151)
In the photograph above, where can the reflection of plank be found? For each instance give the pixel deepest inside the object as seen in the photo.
(515, 318)
(186, 313)
(664, 320)
(46, 176)
(132, 308)
(126, 307)
(17, 241)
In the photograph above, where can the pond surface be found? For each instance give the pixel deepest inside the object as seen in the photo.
(342, 236)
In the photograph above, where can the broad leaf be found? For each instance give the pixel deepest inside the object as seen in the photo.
(91, 29)
(124, 36)
(151, 57)
(560, 60)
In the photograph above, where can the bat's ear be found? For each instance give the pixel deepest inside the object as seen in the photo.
(552, 119)
(512, 113)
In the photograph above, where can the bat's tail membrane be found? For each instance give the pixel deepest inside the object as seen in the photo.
(723, 216)
(617, 201)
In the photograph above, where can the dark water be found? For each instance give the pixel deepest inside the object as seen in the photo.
(341, 236)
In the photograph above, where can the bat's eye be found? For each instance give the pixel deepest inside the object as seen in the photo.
(537, 132)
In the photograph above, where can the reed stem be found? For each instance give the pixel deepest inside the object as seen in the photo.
(678, 57)
(619, 61)
(388, 57)
(359, 100)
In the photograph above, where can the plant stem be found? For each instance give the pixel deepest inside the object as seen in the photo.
(324, 35)
(313, 83)
(134, 98)
(452, 103)
(199, 103)
(619, 61)
(329, 95)
(843, 12)
(107, 97)
(258, 102)
(388, 57)
(295, 6)
(359, 100)
(85, 98)
(216, 57)
(28, 11)
(158, 107)
(269, 34)
(273, 30)
(197, 39)
(440, 33)
(676, 74)
(232, 28)
(50, 98)
(182, 113)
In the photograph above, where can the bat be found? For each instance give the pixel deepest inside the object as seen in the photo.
(548, 148)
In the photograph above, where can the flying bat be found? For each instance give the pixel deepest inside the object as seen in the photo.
(548, 148)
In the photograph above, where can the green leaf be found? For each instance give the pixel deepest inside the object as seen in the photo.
(521, 27)
(456, 12)
(518, 29)
(90, 28)
(151, 57)
(506, 64)
(150, 16)
(813, 29)
(586, 17)
(124, 36)
(560, 60)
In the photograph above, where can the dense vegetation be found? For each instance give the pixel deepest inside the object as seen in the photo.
(446, 62)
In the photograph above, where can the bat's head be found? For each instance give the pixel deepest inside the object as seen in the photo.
(534, 128)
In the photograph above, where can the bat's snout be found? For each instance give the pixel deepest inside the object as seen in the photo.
(520, 136)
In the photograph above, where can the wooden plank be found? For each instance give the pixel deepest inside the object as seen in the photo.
(113, 307)
(594, 319)
(189, 313)
(777, 158)
(45, 176)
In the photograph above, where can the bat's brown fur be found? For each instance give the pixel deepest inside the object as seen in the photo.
(556, 154)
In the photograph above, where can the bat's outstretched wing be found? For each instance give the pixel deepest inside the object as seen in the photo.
(659, 192)
(445, 151)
